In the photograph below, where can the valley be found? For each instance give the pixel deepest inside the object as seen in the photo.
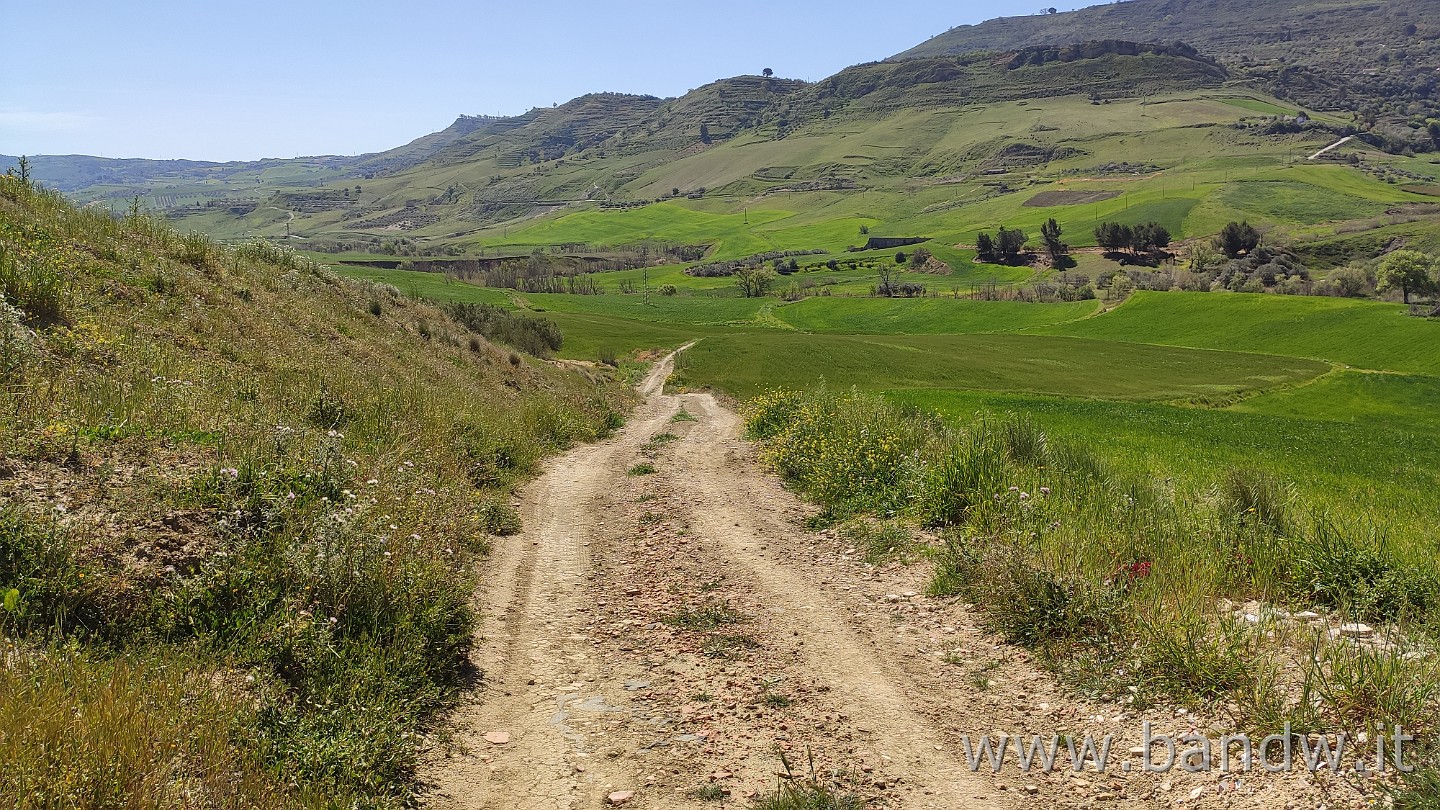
(765, 446)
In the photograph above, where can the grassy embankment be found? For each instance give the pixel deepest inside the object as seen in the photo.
(245, 504)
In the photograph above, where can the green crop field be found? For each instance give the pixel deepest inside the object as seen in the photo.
(1362, 334)
(926, 316)
(745, 365)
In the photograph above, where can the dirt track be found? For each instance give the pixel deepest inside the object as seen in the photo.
(664, 634)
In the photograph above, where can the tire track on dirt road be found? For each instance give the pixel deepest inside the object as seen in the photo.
(734, 504)
(542, 684)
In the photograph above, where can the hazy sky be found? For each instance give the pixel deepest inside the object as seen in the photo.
(238, 81)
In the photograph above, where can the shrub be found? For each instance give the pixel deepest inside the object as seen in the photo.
(534, 336)
(1249, 495)
(1191, 658)
(1342, 573)
(34, 286)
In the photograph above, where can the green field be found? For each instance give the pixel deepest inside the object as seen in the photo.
(1363, 334)
(745, 365)
(1369, 458)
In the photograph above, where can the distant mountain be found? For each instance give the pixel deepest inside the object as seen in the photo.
(1377, 58)
(76, 172)
(1354, 66)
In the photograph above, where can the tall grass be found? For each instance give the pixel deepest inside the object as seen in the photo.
(1114, 579)
(142, 733)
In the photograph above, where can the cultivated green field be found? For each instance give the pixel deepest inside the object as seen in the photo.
(1363, 334)
(746, 365)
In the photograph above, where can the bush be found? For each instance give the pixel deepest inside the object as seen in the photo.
(1034, 607)
(534, 336)
(1249, 495)
(34, 286)
(1342, 573)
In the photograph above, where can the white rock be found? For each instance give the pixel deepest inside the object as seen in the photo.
(1357, 630)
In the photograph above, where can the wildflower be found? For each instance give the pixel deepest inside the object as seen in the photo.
(1024, 496)
(230, 472)
(290, 496)
(414, 537)
(333, 620)
(372, 482)
(1014, 489)
(1044, 490)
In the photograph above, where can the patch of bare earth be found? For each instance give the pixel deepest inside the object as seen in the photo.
(659, 640)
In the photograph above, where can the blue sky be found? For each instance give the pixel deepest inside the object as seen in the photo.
(239, 81)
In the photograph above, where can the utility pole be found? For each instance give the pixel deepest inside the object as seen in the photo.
(645, 286)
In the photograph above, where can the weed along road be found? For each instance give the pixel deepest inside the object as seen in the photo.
(665, 633)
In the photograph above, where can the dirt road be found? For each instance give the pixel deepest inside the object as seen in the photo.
(666, 633)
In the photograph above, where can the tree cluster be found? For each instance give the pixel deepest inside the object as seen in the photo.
(1005, 247)
(1058, 251)
(1146, 239)
(1237, 239)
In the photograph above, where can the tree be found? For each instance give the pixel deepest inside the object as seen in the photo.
(984, 247)
(1202, 257)
(1149, 237)
(920, 258)
(1237, 238)
(1009, 243)
(754, 282)
(1058, 250)
(24, 165)
(1157, 236)
(1406, 270)
(886, 287)
(767, 73)
(1114, 236)
(900, 257)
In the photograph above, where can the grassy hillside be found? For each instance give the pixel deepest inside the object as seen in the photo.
(245, 503)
